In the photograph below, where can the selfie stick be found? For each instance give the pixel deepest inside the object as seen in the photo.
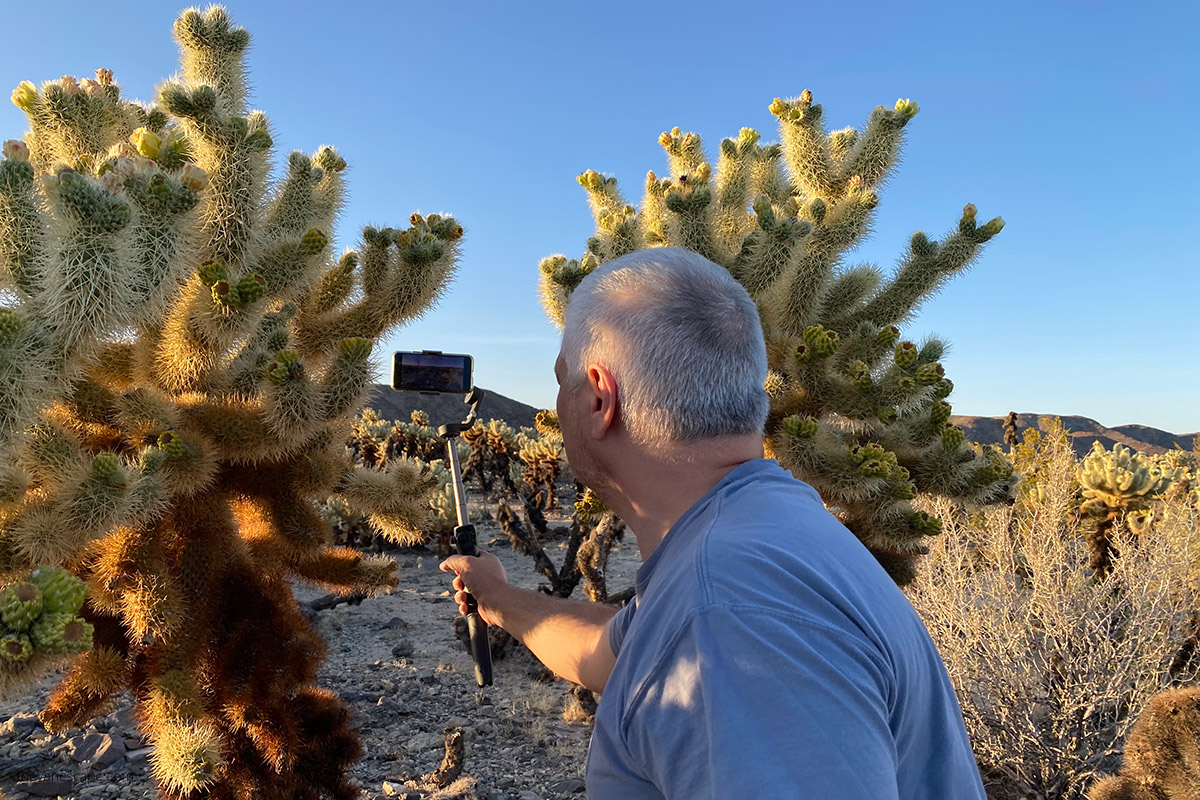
(464, 541)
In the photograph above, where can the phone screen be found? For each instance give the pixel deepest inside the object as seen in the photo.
(432, 372)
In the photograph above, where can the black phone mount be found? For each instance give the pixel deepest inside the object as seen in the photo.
(465, 541)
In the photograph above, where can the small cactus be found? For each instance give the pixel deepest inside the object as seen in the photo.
(1117, 486)
(1162, 752)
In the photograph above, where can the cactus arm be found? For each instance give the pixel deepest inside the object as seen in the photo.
(212, 53)
(346, 381)
(417, 272)
(805, 147)
(289, 265)
(872, 155)
(846, 293)
(22, 226)
(163, 205)
(767, 176)
(346, 570)
(652, 217)
(685, 152)
(926, 267)
(310, 196)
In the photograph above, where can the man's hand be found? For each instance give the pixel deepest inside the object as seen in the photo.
(484, 577)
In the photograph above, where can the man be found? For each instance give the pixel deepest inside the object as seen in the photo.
(766, 654)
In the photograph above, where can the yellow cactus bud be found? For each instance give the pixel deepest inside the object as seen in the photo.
(777, 106)
(969, 211)
(146, 142)
(907, 108)
(104, 76)
(664, 139)
(25, 96)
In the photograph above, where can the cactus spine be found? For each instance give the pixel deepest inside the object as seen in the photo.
(181, 356)
(855, 411)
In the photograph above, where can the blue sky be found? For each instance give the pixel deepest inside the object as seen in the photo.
(1074, 121)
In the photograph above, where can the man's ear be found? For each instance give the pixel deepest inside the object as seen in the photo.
(603, 402)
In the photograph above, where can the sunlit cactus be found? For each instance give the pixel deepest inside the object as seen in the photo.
(1117, 486)
(494, 447)
(181, 357)
(855, 411)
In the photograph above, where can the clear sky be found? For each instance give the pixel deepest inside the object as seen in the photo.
(1075, 121)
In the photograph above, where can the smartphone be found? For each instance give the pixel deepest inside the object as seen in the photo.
(431, 371)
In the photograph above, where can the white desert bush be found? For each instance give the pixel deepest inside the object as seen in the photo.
(1052, 665)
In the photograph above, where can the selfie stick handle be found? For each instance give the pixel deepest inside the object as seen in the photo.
(465, 543)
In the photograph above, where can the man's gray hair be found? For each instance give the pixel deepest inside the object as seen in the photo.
(681, 337)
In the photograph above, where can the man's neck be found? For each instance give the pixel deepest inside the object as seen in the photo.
(651, 492)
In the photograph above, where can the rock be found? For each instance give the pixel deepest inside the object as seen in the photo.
(425, 741)
(387, 686)
(403, 650)
(110, 751)
(45, 787)
(426, 676)
(457, 722)
(20, 724)
(568, 786)
(139, 755)
(84, 748)
(395, 624)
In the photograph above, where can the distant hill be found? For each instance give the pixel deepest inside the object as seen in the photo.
(985, 430)
(443, 408)
(1083, 430)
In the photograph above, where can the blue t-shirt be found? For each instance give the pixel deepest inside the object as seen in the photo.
(768, 655)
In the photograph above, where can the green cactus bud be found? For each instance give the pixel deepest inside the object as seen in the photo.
(251, 288)
(994, 226)
(106, 467)
(906, 355)
(924, 524)
(943, 388)
(800, 427)
(888, 336)
(969, 211)
(886, 415)
(285, 366)
(953, 437)
(313, 242)
(904, 491)
(860, 373)
(211, 272)
(929, 374)
(16, 647)
(59, 634)
(940, 412)
(355, 348)
(20, 605)
(588, 507)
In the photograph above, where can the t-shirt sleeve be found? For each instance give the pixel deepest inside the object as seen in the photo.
(749, 703)
(619, 624)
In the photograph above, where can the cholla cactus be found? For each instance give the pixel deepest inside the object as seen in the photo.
(543, 458)
(1162, 754)
(180, 360)
(1117, 486)
(855, 411)
(494, 447)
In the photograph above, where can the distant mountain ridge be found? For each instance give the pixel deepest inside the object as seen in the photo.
(1083, 431)
(443, 408)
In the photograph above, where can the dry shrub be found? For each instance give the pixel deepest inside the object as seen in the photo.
(1051, 665)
